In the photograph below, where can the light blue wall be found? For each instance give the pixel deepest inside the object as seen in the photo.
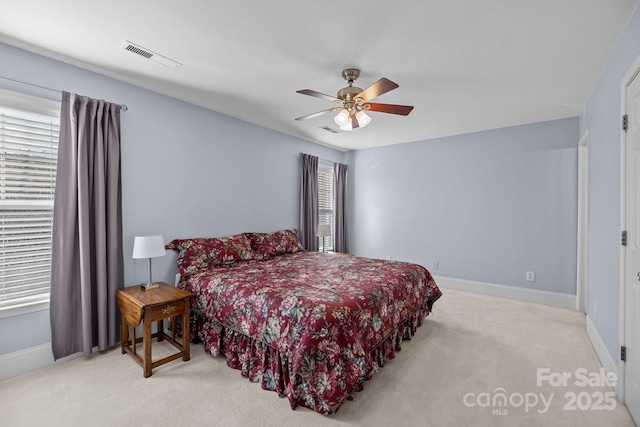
(602, 117)
(186, 171)
(485, 206)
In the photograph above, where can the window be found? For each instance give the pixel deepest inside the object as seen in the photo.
(325, 203)
(28, 156)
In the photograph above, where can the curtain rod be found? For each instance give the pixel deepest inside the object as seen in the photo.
(123, 107)
(319, 158)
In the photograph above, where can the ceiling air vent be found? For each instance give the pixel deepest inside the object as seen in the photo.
(146, 53)
(329, 129)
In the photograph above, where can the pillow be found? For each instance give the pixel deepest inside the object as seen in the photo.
(202, 253)
(278, 243)
(254, 238)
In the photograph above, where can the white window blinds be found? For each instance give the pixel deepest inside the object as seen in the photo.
(28, 158)
(325, 203)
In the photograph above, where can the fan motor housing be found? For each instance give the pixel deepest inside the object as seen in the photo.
(348, 93)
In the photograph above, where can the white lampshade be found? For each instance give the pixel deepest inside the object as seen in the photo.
(342, 118)
(363, 119)
(347, 127)
(324, 230)
(148, 246)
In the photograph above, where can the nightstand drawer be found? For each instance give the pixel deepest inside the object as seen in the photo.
(167, 310)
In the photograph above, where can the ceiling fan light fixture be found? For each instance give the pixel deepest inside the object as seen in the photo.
(363, 118)
(347, 127)
(342, 118)
(354, 102)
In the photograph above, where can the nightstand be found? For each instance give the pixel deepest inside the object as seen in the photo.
(154, 305)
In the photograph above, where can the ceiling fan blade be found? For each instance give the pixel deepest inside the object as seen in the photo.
(319, 113)
(319, 95)
(402, 110)
(380, 87)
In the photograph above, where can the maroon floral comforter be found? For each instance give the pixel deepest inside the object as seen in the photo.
(311, 326)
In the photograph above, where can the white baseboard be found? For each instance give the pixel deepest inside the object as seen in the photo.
(23, 361)
(608, 362)
(28, 360)
(512, 292)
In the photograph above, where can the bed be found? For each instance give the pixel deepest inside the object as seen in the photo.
(311, 326)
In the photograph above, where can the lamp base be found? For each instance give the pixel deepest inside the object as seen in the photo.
(151, 286)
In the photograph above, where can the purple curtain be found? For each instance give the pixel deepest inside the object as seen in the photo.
(339, 207)
(309, 202)
(87, 260)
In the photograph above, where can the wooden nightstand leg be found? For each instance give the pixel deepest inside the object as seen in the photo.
(160, 327)
(186, 336)
(133, 340)
(146, 342)
(124, 331)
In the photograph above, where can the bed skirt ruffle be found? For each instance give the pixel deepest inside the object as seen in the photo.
(272, 368)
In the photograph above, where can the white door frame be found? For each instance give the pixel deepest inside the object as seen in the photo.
(582, 276)
(628, 77)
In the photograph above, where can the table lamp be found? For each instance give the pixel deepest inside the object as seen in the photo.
(324, 230)
(148, 247)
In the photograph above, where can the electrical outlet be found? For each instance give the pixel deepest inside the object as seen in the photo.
(530, 276)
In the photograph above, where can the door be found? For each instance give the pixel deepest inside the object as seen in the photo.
(632, 253)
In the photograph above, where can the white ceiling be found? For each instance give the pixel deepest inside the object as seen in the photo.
(466, 65)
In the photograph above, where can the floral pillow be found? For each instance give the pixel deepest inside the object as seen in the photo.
(254, 238)
(202, 253)
(281, 242)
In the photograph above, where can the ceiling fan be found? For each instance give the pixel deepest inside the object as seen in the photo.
(354, 102)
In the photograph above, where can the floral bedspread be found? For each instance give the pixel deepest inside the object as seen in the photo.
(311, 326)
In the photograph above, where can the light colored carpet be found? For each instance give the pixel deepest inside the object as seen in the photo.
(470, 346)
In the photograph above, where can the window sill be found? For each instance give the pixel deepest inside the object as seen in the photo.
(24, 309)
